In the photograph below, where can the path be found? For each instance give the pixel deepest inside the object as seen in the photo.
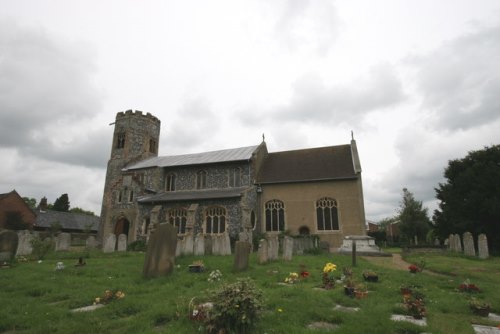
(395, 262)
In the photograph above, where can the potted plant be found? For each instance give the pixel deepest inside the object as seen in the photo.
(406, 289)
(349, 286)
(327, 278)
(361, 291)
(370, 276)
(469, 287)
(197, 267)
(479, 307)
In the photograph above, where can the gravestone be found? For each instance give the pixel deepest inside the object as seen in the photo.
(446, 242)
(109, 244)
(160, 253)
(469, 249)
(122, 243)
(8, 245)
(262, 252)
(63, 242)
(272, 248)
(199, 245)
(187, 245)
(216, 244)
(436, 242)
(91, 243)
(24, 243)
(208, 245)
(451, 242)
(287, 248)
(482, 246)
(458, 243)
(226, 244)
(241, 255)
(178, 247)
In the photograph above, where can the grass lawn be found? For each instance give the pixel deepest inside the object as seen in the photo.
(37, 299)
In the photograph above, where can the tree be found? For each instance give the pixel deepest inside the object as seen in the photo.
(62, 203)
(413, 218)
(470, 196)
(30, 201)
(82, 211)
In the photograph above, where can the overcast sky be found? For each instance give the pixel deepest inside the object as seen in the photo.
(417, 81)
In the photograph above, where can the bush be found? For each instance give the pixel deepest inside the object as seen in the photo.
(137, 246)
(235, 307)
(41, 247)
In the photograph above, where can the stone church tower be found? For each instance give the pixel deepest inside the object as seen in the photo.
(135, 138)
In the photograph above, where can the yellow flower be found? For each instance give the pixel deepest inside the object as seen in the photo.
(97, 300)
(280, 310)
(329, 267)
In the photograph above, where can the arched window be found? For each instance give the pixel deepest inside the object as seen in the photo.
(152, 146)
(178, 218)
(120, 140)
(253, 220)
(235, 177)
(327, 214)
(215, 220)
(275, 216)
(201, 179)
(170, 182)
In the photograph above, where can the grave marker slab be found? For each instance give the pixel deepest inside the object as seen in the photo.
(24, 243)
(122, 243)
(109, 244)
(469, 248)
(482, 246)
(241, 255)
(63, 242)
(287, 248)
(262, 252)
(160, 253)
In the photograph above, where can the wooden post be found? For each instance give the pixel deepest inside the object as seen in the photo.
(354, 253)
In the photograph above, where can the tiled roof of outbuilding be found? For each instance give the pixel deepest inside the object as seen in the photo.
(315, 164)
(234, 154)
(68, 220)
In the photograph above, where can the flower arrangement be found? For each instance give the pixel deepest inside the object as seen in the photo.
(327, 278)
(214, 276)
(469, 287)
(479, 307)
(303, 273)
(292, 278)
(109, 296)
(360, 291)
(370, 276)
(413, 269)
(415, 305)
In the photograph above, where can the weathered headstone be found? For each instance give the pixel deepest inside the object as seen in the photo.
(272, 248)
(91, 243)
(208, 245)
(109, 244)
(122, 243)
(24, 244)
(458, 243)
(451, 242)
(241, 255)
(8, 245)
(482, 246)
(187, 245)
(226, 244)
(446, 242)
(160, 254)
(216, 244)
(63, 242)
(199, 245)
(469, 249)
(262, 252)
(436, 242)
(287, 248)
(178, 247)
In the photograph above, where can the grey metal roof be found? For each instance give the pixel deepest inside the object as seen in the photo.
(234, 154)
(68, 220)
(176, 196)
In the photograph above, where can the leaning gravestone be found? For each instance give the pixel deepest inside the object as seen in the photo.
(160, 254)
(109, 244)
(24, 244)
(90, 243)
(287, 248)
(469, 249)
(262, 254)
(8, 245)
(241, 255)
(63, 242)
(122, 243)
(482, 246)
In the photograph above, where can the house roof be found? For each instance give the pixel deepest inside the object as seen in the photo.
(228, 155)
(68, 220)
(178, 196)
(315, 164)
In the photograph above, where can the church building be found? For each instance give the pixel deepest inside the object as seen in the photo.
(310, 191)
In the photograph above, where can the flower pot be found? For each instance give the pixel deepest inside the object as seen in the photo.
(349, 291)
(194, 268)
(371, 278)
(361, 294)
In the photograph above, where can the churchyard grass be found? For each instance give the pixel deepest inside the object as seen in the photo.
(35, 298)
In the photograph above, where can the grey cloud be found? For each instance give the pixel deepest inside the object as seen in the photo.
(460, 81)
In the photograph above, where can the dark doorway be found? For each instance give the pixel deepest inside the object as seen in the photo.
(122, 226)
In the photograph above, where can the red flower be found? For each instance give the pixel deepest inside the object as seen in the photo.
(304, 274)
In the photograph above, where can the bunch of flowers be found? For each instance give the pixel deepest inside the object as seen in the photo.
(415, 305)
(109, 296)
(214, 276)
(328, 279)
(469, 287)
(292, 278)
(304, 274)
(413, 269)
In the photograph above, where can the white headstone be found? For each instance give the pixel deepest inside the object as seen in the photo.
(122, 243)
(469, 248)
(482, 246)
(24, 243)
(109, 244)
(199, 245)
(287, 248)
(63, 242)
(262, 252)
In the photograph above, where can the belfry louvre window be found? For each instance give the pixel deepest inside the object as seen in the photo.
(178, 218)
(170, 182)
(201, 179)
(215, 219)
(275, 216)
(327, 214)
(235, 177)
(120, 140)
(152, 146)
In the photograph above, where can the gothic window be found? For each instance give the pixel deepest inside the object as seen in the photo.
(327, 214)
(215, 220)
(131, 196)
(201, 179)
(235, 177)
(120, 195)
(120, 140)
(253, 220)
(178, 218)
(275, 216)
(152, 146)
(170, 182)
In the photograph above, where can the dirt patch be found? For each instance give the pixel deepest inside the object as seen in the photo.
(322, 325)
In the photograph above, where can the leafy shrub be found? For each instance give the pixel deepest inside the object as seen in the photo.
(137, 246)
(41, 247)
(236, 307)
